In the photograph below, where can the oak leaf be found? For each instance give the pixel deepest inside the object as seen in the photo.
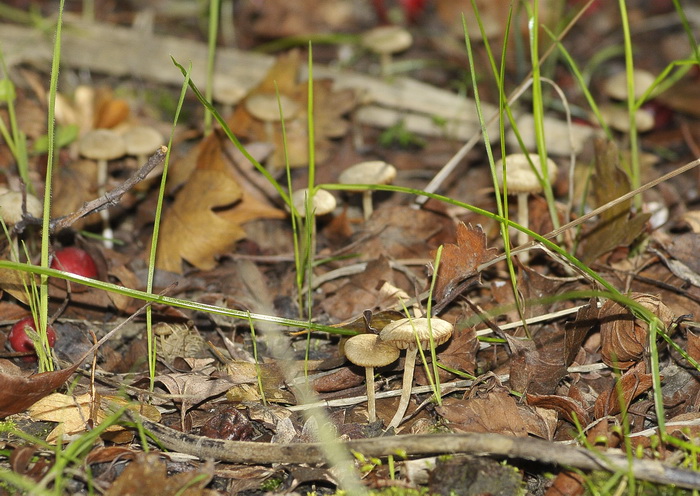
(459, 262)
(192, 230)
(617, 226)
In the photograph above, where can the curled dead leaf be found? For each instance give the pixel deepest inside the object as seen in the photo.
(623, 336)
(630, 386)
(460, 261)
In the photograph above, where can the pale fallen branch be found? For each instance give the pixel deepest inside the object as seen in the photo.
(479, 444)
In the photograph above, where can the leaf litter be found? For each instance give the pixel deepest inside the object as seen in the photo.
(226, 240)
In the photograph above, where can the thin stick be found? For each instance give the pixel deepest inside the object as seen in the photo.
(478, 444)
(110, 198)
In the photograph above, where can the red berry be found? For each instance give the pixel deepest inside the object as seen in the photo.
(20, 341)
(75, 261)
(412, 9)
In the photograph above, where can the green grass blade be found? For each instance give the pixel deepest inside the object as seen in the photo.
(151, 343)
(236, 142)
(214, 9)
(46, 218)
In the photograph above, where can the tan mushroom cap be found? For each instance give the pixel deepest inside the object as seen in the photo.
(11, 207)
(323, 202)
(371, 172)
(367, 350)
(387, 39)
(400, 332)
(617, 117)
(264, 106)
(521, 178)
(142, 140)
(616, 86)
(102, 144)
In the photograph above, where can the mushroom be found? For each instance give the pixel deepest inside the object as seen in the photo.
(522, 181)
(385, 41)
(266, 107)
(103, 145)
(368, 351)
(11, 207)
(616, 86)
(142, 141)
(11, 212)
(617, 117)
(372, 172)
(406, 334)
(322, 203)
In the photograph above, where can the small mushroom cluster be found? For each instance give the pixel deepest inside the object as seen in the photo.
(103, 145)
(371, 350)
(616, 115)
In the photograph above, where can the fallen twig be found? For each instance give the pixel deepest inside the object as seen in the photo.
(111, 198)
(479, 444)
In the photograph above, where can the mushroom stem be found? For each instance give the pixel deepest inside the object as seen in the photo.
(371, 401)
(385, 64)
(107, 232)
(367, 207)
(523, 220)
(409, 366)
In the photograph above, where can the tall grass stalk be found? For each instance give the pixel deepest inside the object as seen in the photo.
(429, 313)
(46, 218)
(258, 370)
(152, 256)
(214, 9)
(310, 217)
(633, 169)
(311, 171)
(538, 108)
(294, 217)
(501, 201)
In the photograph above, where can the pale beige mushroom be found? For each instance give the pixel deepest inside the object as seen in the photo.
(11, 212)
(103, 145)
(386, 41)
(371, 172)
(616, 85)
(368, 351)
(408, 334)
(322, 203)
(11, 207)
(142, 141)
(266, 107)
(522, 181)
(617, 117)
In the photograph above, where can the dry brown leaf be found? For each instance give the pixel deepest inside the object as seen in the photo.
(459, 354)
(329, 108)
(624, 337)
(191, 230)
(361, 292)
(278, 19)
(148, 471)
(538, 368)
(19, 391)
(477, 414)
(247, 374)
(576, 331)
(631, 385)
(460, 261)
(179, 341)
(616, 226)
(73, 413)
(193, 387)
(564, 406)
(693, 346)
